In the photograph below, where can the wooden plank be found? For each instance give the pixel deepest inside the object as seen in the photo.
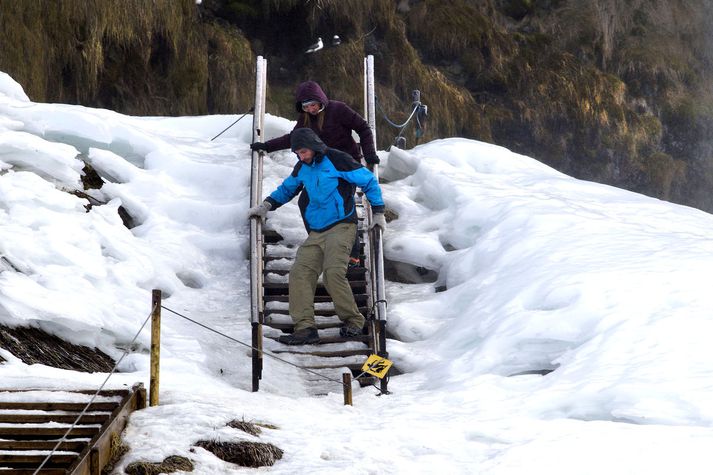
(32, 471)
(59, 406)
(360, 298)
(271, 236)
(323, 340)
(321, 312)
(34, 460)
(46, 432)
(339, 339)
(352, 272)
(280, 288)
(289, 327)
(50, 417)
(103, 392)
(66, 446)
(329, 354)
(89, 457)
(98, 452)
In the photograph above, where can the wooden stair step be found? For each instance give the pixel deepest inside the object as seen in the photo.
(271, 236)
(352, 272)
(360, 298)
(66, 446)
(338, 339)
(320, 285)
(329, 354)
(280, 288)
(34, 460)
(309, 361)
(59, 406)
(324, 340)
(320, 312)
(46, 432)
(44, 421)
(289, 327)
(31, 471)
(50, 417)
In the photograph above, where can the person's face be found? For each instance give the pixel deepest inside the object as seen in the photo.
(312, 108)
(305, 155)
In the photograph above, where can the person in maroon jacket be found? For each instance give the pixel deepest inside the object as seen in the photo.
(332, 121)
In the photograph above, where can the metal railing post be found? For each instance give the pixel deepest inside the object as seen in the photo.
(256, 237)
(376, 249)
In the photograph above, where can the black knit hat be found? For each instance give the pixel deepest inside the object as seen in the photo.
(306, 138)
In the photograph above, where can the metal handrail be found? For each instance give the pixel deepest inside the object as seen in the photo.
(377, 251)
(256, 236)
(375, 241)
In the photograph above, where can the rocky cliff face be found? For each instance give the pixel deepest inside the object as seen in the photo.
(616, 91)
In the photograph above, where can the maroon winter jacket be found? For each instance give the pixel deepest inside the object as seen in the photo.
(337, 125)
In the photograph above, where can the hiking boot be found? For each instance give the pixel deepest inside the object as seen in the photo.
(350, 331)
(306, 336)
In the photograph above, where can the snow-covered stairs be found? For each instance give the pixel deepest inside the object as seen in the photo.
(33, 422)
(334, 354)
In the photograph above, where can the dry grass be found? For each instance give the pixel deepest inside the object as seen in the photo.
(32, 345)
(131, 56)
(246, 454)
(594, 88)
(117, 450)
(245, 426)
(171, 464)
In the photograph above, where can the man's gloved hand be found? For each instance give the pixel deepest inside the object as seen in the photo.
(260, 210)
(378, 219)
(371, 159)
(258, 146)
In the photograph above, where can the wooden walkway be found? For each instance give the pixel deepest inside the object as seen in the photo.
(32, 422)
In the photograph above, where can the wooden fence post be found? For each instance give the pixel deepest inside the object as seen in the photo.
(155, 346)
(347, 384)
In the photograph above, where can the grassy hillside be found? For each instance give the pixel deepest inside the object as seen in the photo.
(616, 91)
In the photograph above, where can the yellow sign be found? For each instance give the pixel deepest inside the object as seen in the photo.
(377, 366)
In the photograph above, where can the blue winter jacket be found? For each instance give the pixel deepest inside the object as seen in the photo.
(330, 182)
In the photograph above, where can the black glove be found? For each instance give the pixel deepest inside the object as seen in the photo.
(258, 146)
(372, 159)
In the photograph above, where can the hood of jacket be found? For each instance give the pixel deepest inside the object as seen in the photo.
(309, 91)
(307, 138)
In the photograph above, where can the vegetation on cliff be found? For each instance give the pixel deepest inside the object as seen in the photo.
(616, 91)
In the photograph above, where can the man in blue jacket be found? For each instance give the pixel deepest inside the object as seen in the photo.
(329, 178)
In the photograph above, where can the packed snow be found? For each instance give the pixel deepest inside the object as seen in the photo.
(568, 329)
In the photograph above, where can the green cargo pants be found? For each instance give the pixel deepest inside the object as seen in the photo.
(324, 253)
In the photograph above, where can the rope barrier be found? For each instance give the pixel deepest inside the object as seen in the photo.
(76, 421)
(249, 111)
(282, 360)
(126, 352)
(401, 126)
(252, 347)
(418, 111)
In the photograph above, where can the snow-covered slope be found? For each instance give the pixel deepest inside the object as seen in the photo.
(542, 272)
